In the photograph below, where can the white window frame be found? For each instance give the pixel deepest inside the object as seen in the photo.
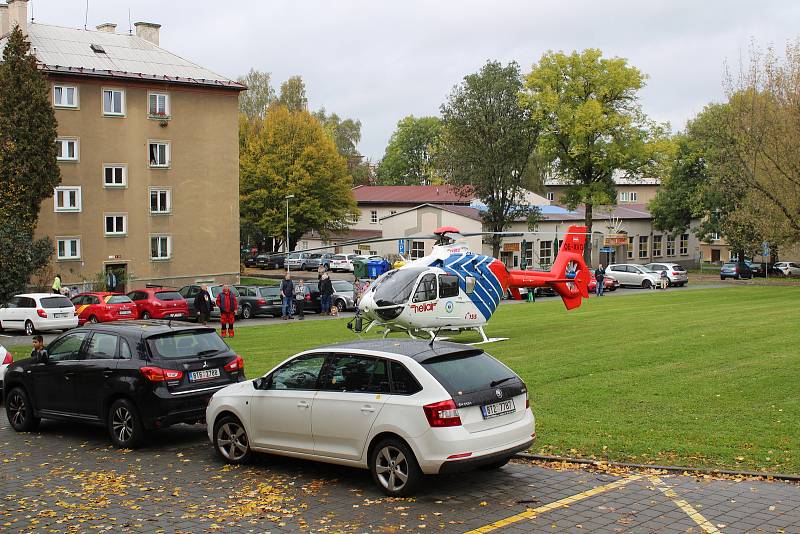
(116, 232)
(167, 154)
(417, 250)
(373, 216)
(113, 90)
(643, 250)
(114, 166)
(670, 246)
(631, 242)
(657, 251)
(550, 195)
(633, 196)
(63, 142)
(168, 209)
(623, 196)
(683, 245)
(155, 114)
(545, 253)
(64, 190)
(67, 240)
(169, 247)
(64, 88)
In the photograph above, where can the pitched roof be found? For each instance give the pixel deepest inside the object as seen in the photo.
(69, 51)
(345, 235)
(620, 178)
(464, 211)
(628, 211)
(409, 194)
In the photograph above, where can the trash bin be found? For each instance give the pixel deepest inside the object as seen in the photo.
(360, 269)
(375, 268)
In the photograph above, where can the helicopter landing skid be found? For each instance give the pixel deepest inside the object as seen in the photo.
(479, 329)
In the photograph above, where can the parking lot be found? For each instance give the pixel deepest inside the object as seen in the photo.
(66, 477)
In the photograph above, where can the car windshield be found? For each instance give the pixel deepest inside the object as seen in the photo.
(729, 266)
(315, 256)
(342, 287)
(168, 295)
(294, 256)
(395, 286)
(676, 267)
(269, 291)
(186, 344)
(118, 299)
(56, 302)
(339, 257)
(467, 371)
(644, 269)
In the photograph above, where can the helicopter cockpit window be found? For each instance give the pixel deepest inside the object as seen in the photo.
(426, 290)
(448, 286)
(394, 287)
(470, 285)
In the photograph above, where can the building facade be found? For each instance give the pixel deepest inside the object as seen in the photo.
(629, 190)
(148, 152)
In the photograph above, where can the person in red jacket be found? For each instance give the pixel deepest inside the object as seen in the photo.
(226, 301)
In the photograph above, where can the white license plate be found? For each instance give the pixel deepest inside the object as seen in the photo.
(498, 408)
(124, 312)
(60, 315)
(205, 374)
(176, 315)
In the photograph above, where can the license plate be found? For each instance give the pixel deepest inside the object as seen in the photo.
(498, 408)
(205, 374)
(124, 312)
(176, 315)
(60, 315)
(276, 302)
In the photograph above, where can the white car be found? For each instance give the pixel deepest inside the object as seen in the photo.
(38, 312)
(676, 273)
(6, 359)
(634, 275)
(788, 268)
(298, 260)
(342, 262)
(398, 408)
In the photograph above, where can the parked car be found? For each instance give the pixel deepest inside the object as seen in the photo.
(272, 294)
(276, 261)
(262, 261)
(735, 270)
(251, 260)
(756, 268)
(190, 292)
(6, 359)
(342, 262)
(131, 377)
(609, 284)
(342, 298)
(675, 272)
(104, 307)
(400, 410)
(159, 303)
(38, 312)
(254, 303)
(298, 260)
(633, 275)
(316, 259)
(788, 268)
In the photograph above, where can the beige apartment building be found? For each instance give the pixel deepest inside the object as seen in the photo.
(149, 157)
(630, 191)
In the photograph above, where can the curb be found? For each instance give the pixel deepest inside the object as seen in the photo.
(670, 468)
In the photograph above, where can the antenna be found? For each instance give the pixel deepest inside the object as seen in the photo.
(31, 10)
(86, 18)
(130, 27)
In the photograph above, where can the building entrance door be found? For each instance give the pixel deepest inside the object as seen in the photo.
(116, 277)
(508, 259)
(714, 255)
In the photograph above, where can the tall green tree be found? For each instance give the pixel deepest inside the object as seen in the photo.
(292, 154)
(592, 125)
(409, 155)
(346, 133)
(293, 94)
(28, 167)
(254, 102)
(486, 142)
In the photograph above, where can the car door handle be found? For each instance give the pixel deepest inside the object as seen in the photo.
(367, 408)
(302, 404)
(68, 376)
(107, 373)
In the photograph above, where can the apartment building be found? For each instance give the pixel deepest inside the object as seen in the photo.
(628, 190)
(148, 151)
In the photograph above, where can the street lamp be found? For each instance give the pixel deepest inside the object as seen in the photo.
(286, 244)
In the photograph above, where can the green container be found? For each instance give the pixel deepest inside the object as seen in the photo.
(360, 269)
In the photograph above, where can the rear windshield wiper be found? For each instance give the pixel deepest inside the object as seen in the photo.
(208, 352)
(495, 383)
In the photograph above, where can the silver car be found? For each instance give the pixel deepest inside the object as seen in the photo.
(675, 272)
(343, 295)
(634, 275)
(298, 260)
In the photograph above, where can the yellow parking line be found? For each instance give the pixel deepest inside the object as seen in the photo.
(696, 516)
(566, 501)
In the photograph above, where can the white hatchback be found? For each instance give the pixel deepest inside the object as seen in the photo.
(38, 312)
(401, 409)
(342, 262)
(6, 359)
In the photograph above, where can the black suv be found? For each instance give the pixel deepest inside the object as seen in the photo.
(131, 376)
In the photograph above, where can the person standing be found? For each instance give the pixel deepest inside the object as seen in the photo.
(227, 310)
(300, 294)
(325, 292)
(203, 305)
(664, 279)
(111, 281)
(57, 284)
(39, 353)
(287, 295)
(320, 270)
(599, 277)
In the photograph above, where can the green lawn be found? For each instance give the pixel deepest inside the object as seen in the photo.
(250, 281)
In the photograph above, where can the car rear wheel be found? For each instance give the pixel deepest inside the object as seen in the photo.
(29, 329)
(230, 440)
(145, 315)
(247, 311)
(647, 284)
(340, 305)
(394, 468)
(20, 411)
(93, 319)
(495, 465)
(125, 425)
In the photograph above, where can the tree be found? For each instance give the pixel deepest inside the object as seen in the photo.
(409, 155)
(293, 94)
(346, 133)
(28, 167)
(592, 125)
(292, 154)
(486, 142)
(254, 102)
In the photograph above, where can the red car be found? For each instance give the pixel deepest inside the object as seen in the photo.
(102, 307)
(160, 303)
(609, 284)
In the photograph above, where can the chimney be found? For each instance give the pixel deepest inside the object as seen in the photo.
(18, 15)
(4, 22)
(107, 27)
(148, 31)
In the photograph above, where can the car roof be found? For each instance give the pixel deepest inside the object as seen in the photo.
(146, 327)
(99, 293)
(418, 350)
(38, 295)
(152, 289)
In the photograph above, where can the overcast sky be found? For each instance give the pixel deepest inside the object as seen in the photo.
(379, 61)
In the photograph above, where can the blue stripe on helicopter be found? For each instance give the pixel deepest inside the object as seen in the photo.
(486, 294)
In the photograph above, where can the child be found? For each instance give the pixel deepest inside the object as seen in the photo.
(39, 353)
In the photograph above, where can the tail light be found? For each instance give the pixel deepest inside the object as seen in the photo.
(261, 302)
(308, 298)
(8, 359)
(235, 365)
(675, 274)
(442, 414)
(157, 374)
(42, 313)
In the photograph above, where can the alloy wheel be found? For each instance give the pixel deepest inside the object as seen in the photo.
(246, 312)
(122, 424)
(17, 409)
(392, 468)
(232, 441)
(29, 328)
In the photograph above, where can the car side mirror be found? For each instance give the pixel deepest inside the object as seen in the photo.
(261, 383)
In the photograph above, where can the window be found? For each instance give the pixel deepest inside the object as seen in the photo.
(68, 248)
(684, 245)
(632, 196)
(448, 286)
(67, 149)
(670, 246)
(300, 373)
(101, 346)
(527, 253)
(426, 290)
(158, 105)
(115, 175)
(185, 344)
(67, 199)
(65, 96)
(373, 216)
(160, 247)
(160, 201)
(158, 153)
(113, 102)
(356, 374)
(657, 246)
(124, 349)
(417, 250)
(623, 196)
(545, 253)
(714, 236)
(643, 239)
(630, 248)
(403, 382)
(67, 348)
(551, 195)
(470, 370)
(116, 224)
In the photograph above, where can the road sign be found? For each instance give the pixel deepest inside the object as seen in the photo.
(607, 250)
(401, 246)
(765, 249)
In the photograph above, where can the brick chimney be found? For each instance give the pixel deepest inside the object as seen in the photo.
(18, 15)
(4, 22)
(107, 27)
(148, 31)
